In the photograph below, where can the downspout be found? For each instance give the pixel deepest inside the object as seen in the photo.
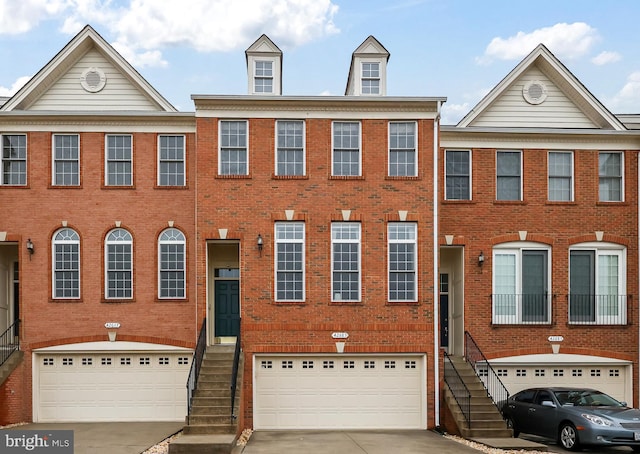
(436, 267)
(638, 243)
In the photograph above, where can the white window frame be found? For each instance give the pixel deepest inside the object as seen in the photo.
(469, 176)
(108, 161)
(118, 236)
(621, 177)
(551, 177)
(408, 149)
(182, 161)
(55, 161)
(520, 176)
(353, 232)
(172, 236)
(410, 237)
(279, 147)
(333, 148)
(370, 77)
(289, 232)
(262, 77)
(65, 236)
(9, 160)
(222, 147)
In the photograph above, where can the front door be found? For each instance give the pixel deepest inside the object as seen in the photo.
(227, 308)
(444, 310)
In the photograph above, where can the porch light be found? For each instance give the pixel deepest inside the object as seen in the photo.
(260, 244)
(30, 247)
(481, 259)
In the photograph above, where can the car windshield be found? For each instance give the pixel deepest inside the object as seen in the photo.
(586, 398)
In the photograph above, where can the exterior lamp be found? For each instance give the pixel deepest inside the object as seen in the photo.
(30, 247)
(260, 244)
(481, 259)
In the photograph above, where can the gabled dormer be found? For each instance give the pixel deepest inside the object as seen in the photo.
(368, 71)
(264, 67)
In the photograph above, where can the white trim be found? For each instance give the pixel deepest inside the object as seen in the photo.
(521, 176)
(571, 176)
(333, 149)
(304, 147)
(559, 358)
(184, 161)
(246, 148)
(106, 160)
(415, 147)
(444, 188)
(342, 241)
(54, 161)
(106, 346)
(302, 241)
(416, 273)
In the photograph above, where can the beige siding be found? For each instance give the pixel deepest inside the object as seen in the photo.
(118, 94)
(511, 110)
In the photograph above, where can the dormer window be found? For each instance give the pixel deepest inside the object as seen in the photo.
(263, 78)
(264, 67)
(371, 78)
(368, 70)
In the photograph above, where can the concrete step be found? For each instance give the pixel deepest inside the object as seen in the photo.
(212, 391)
(209, 410)
(203, 444)
(486, 433)
(211, 419)
(203, 429)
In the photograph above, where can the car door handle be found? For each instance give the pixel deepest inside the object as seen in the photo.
(532, 410)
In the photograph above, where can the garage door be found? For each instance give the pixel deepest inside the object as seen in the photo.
(339, 392)
(122, 386)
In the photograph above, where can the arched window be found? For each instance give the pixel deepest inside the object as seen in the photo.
(66, 264)
(119, 265)
(171, 264)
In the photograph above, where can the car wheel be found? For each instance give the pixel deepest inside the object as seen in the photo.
(511, 425)
(568, 437)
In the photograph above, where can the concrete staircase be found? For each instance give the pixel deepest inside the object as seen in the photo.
(486, 420)
(10, 364)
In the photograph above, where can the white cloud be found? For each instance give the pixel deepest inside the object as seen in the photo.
(17, 85)
(20, 16)
(453, 113)
(628, 98)
(566, 41)
(606, 57)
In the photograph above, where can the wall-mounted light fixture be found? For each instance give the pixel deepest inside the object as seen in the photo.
(260, 244)
(481, 259)
(30, 247)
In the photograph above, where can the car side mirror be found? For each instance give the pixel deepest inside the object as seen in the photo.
(548, 403)
(624, 404)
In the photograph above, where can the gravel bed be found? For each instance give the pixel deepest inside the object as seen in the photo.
(488, 449)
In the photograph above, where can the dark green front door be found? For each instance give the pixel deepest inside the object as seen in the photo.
(227, 312)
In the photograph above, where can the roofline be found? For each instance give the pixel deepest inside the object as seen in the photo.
(318, 99)
(544, 131)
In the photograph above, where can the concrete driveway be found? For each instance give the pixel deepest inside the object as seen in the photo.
(111, 437)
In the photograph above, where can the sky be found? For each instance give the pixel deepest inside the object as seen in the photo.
(459, 49)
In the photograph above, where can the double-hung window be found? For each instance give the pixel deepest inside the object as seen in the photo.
(234, 153)
(346, 148)
(457, 175)
(560, 176)
(509, 175)
(66, 264)
(172, 264)
(290, 158)
(119, 264)
(610, 171)
(14, 160)
(171, 160)
(597, 286)
(289, 261)
(263, 77)
(370, 78)
(345, 261)
(403, 261)
(119, 160)
(403, 155)
(521, 283)
(66, 160)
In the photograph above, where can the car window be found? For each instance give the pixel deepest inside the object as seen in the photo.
(542, 396)
(525, 396)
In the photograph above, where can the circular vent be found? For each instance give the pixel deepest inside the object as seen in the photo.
(93, 80)
(534, 92)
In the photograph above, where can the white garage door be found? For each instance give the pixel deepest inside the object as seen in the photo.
(121, 386)
(339, 392)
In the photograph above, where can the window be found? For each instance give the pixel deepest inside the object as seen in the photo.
(234, 157)
(172, 264)
(403, 261)
(346, 148)
(560, 176)
(263, 76)
(610, 172)
(290, 159)
(370, 78)
(119, 264)
(509, 171)
(66, 160)
(119, 158)
(171, 169)
(14, 160)
(597, 288)
(66, 264)
(458, 175)
(521, 282)
(345, 261)
(289, 261)
(402, 149)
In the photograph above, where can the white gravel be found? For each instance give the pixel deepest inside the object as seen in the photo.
(488, 449)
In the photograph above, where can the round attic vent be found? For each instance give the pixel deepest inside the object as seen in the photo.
(534, 92)
(93, 80)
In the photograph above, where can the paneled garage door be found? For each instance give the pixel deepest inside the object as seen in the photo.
(120, 386)
(339, 392)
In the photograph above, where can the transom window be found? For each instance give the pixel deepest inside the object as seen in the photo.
(171, 161)
(509, 175)
(119, 264)
(234, 156)
(610, 171)
(458, 175)
(290, 158)
(345, 261)
(370, 78)
(263, 76)
(403, 156)
(66, 264)
(346, 148)
(289, 263)
(172, 263)
(403, 261)
(119, 159)
(66, 160)
(560, 176)
(14, 160)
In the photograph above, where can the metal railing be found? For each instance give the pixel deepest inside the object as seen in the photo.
(196, 363)
(234, 371)
(598, 309)
(494, 386)
(456, 385)
(511, 309)
(9, 342)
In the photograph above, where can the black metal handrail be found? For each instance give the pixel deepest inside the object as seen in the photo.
(492, 383)
(9, 342)
(196, 363)
(234, 371)
(460, 392)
